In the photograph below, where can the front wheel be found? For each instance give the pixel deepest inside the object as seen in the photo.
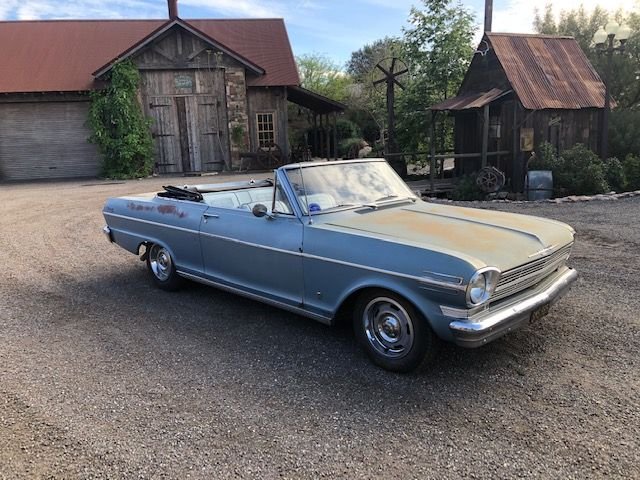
(393, 333)
(162, 269)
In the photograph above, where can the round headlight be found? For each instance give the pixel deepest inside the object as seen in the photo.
(478, 289)
(482, 285)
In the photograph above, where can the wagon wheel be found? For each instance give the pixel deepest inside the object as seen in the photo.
(490, 179)
(269, 156)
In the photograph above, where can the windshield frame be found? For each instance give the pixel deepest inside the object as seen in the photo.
(411, 196)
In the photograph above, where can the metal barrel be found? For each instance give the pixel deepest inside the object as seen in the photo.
(539, 184)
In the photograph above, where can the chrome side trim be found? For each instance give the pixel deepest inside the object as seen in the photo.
(149, 222)
(259, 298)
(442, 280)
(420, 279)
(250, 244)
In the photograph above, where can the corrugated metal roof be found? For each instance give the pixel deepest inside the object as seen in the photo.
(548, 71)
(60, 55)
(469, 100)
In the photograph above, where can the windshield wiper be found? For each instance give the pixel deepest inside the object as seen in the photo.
(342, 205)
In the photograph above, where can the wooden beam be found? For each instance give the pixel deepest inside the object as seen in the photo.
(315, 133)
(327, 133)
(432, 145)
(485, 135)
(335, 136)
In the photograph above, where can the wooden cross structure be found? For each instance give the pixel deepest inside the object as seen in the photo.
(390, 77)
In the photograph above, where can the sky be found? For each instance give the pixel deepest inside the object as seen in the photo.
(334, 28)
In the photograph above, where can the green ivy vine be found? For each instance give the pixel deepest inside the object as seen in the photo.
(119, 127)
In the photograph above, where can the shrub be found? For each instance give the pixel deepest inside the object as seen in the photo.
(119, 127)
(545, 159)
(631, 167)
(614, 174)
(576, 171)
(346, 129)
(579, 171)
(467, 189)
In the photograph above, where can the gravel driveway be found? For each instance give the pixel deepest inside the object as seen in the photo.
(102, 375)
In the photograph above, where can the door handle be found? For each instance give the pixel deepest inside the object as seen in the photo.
(210, 215)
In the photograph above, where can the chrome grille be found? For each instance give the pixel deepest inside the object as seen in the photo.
(527, 275)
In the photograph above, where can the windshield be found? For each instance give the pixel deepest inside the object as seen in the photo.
(333, 186)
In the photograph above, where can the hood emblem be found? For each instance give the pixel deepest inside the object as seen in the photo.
(543, 251)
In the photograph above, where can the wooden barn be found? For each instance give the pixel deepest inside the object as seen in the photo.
(519, 91)
(213, 88)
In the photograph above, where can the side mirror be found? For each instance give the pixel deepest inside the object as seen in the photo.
(259, 210)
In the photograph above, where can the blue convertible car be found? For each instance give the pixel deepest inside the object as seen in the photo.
(328, 238)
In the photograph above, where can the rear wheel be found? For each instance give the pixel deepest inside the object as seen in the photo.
(393, 333)
(162, 269)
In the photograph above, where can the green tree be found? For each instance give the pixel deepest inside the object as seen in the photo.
(362, 62)
(119, 127)
(321, 75)
(581, 25)
(439, 48)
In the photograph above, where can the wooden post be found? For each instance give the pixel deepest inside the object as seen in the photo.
(391, 127)
(327, 134)
(432, 145)
(516, 168)
(485, 135)
(321, 135)
(315, 133)
(335, 135)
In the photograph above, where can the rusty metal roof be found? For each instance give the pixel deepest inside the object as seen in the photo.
(470, 100)
(548, 71)
(61, 55)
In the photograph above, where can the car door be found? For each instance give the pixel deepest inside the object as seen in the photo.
(259, 255)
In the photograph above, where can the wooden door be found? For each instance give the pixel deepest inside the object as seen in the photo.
(213, 137)
(190, 133)
(166, 134)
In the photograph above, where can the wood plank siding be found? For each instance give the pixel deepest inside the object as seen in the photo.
(46, 139)
(269, 100)
(184, 92)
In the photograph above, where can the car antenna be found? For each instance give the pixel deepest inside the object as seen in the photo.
(306, 200)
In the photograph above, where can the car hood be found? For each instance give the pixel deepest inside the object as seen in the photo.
(486, 237)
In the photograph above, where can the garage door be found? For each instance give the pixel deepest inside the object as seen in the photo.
(46, 140)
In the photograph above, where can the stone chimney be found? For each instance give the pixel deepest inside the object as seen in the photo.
(173, 9)
(488, 14)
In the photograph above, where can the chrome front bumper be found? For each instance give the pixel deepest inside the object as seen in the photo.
(488, 325)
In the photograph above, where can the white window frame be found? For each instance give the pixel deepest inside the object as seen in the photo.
(258, 131)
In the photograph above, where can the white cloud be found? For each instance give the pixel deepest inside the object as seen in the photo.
(243, 8)
(44, 9)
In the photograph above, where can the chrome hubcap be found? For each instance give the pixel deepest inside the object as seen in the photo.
(388, 327)
(160, 262)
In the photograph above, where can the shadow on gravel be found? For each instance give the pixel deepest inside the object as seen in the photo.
(224, 336)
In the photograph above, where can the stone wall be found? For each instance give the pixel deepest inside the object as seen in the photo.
(237, 110)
